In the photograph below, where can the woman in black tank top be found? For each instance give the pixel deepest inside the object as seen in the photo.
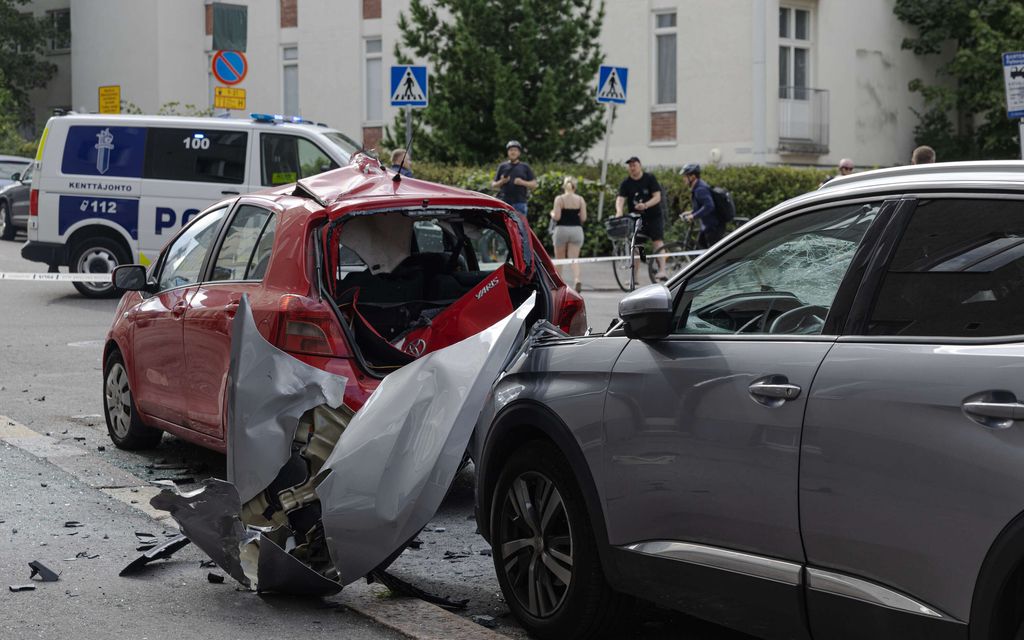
(568, 214)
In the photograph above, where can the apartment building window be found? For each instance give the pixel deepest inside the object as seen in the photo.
(290, 69)
(61, 22)
(665, 58)
(373, 83)
(795, 47)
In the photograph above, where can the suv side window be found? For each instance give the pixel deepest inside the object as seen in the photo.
(183, 262)
(237, 255)
(196, 155)
(289, 158)
(958, 271)
(779, 281)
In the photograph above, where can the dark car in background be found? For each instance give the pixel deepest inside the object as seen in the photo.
(15, 187)
(815, 430)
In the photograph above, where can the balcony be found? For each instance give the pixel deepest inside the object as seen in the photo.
(803, 120)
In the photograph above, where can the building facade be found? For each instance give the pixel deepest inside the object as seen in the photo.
(712, 81)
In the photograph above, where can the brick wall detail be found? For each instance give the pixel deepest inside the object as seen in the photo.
(289, 13)
(371, 9)
(663, 126)
(209, 19)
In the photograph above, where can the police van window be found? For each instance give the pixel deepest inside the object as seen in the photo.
(237, 252)
(196, 155)
(957, 272)
(290, 158)
(183, 260)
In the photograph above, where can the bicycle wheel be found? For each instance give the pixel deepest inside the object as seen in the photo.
(673, 264)
(621, 267)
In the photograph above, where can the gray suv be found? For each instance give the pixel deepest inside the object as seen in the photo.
(815, 430)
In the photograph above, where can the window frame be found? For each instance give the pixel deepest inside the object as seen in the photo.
(286, 64)
(655, 70)
(845, 293)
(368, 120)
(870, 289)
(222, 236)
(792, 43)
(161, 263)
(151, 149)
(51, 16)
(265, 134)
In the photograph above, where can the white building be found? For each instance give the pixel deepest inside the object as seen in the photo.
(731, 81)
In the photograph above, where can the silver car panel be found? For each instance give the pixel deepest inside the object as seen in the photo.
(850, 587)
(898, 484)
(725, 559)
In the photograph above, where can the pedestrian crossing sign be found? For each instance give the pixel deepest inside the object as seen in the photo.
(611, 85)
(409, 86)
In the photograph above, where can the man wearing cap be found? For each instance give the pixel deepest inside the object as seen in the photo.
(514, 179)
(642, 193)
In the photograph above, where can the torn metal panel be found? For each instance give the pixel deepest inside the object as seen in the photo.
(153, 553)
(268, 391)
(392, 468)
(209, 517)
(281, 572)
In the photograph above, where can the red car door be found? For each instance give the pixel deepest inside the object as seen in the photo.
(158, 355)
(237, 269)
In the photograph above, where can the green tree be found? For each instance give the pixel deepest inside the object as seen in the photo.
(23, 42)
(965, 109)
(503, 70)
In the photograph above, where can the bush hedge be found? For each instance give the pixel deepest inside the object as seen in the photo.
(754, 189)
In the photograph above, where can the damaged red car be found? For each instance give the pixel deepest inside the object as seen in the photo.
(353, 271)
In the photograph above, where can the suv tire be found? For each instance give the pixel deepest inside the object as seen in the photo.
(536, 553)
(7, 230)
(124, 425)
(91, 256)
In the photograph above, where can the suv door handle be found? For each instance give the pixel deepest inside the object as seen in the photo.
(773, 391)
(1001, 410)
(228, 192)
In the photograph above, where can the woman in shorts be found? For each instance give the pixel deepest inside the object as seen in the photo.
(568, 214)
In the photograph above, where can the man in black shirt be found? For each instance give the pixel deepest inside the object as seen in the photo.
(642, 194)
(514, 179)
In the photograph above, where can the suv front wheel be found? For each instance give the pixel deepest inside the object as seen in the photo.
(544, 550)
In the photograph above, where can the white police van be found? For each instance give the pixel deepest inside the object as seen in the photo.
(110, 190)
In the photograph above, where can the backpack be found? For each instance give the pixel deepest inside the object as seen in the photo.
(725, 209)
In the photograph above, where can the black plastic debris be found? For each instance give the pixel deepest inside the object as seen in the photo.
(207, 564)
(415, 543)
(45, 573)
(145, 538)
(101, 448)
(486, 552)
(485, 621)
(453, 555)
(400, 587)
(22, 587)
(215, 578)
(72, 524)
(145, 547)
(166, 550)
(84, 555)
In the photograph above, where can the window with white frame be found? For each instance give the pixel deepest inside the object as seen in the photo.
(664, 59)
(60, 21)
(373, 83)
(290, 76)
(795, 46)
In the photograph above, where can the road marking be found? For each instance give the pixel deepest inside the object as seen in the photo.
(55, 277)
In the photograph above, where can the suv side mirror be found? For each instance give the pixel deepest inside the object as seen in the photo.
(16, 176)
(647, 312)
(131, 277)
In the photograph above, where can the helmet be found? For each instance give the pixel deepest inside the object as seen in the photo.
(513, 143)
(690, 170)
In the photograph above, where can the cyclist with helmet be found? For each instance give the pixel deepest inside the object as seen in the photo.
(641, 192)
(711, 228)
(514, 179)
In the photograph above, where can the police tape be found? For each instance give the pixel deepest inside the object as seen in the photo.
(55, 277)
(675, 254)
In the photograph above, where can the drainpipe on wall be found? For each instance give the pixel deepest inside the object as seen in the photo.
(760, 80)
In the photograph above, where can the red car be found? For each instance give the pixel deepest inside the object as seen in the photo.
(354, 271)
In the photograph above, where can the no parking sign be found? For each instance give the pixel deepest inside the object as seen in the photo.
(229, 67)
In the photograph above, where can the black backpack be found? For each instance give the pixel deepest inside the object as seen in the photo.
(725, 209)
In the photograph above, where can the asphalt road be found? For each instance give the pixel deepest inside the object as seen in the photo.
(50, 381)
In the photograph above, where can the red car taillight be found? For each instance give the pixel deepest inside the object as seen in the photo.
(572, 317)
(309, 327)
(33, 203)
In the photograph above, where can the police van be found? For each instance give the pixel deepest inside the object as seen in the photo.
(110, 190)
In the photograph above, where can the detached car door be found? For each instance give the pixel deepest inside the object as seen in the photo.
(913, 448)
(158, 354)
(703, 427)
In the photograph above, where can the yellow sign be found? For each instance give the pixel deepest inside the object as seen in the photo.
(228, 98)
(110, 99)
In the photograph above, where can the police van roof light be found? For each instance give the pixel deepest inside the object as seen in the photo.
(276, 118)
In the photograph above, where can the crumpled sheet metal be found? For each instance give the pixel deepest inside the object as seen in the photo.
(393, 466)
(268, 391)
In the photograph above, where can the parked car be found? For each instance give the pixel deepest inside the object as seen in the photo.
(110, 189)
(351, 271)
(14, 197)
(815, 430)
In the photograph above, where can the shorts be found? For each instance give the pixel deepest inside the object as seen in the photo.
(653, 225)
(567, 234)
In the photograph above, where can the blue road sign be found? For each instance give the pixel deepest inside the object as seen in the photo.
(409, 86)
(230, 67)
(1013, 76)
(611, 84)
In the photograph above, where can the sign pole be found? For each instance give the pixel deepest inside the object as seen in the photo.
(1022, 138)
(604, 162)
(408, 128)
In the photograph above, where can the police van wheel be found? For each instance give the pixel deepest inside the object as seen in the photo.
(97, 255)
(124, 425)
(7, 229)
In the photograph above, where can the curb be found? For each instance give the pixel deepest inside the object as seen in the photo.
(410, 617)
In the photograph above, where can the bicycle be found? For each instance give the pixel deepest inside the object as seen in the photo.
(675, 263)
(624, 232)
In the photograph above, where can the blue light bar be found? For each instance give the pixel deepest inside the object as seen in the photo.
(276, 118)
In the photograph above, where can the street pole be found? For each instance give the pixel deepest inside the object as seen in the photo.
(408, 129)
(604, 162)
(1021, 138)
